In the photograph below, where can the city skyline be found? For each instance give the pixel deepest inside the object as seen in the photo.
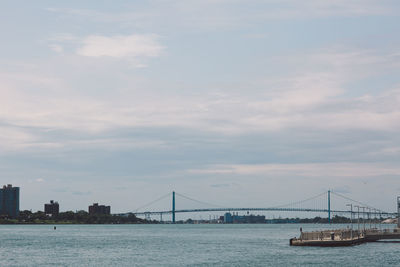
(237, 103)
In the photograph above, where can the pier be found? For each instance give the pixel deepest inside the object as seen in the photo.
(329, 238)
(348, 237)
(343, 237)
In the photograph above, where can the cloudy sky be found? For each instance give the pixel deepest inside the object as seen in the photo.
(238, 103)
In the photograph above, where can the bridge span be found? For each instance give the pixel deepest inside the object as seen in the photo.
(362, 209)
(386, 214)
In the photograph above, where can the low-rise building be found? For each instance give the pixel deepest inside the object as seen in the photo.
(236, 218)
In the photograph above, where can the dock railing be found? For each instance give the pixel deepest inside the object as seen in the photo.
(328, 234)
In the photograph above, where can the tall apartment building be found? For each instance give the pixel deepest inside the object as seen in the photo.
(99, 209)
(9, 201)
(52, 208)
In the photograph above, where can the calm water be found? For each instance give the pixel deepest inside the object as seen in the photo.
(178, 245)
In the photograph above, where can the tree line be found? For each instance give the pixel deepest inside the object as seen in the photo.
(70, 217)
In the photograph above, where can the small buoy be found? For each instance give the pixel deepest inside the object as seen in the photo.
(55, 228)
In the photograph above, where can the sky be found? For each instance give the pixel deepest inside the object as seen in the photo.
(243, 103)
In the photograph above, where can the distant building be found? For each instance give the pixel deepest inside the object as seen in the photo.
(249, 219)
(99, 209)
(228, 218)
(9, 201)
(52, 208)
(236, 218)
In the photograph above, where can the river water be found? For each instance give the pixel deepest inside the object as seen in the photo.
(179, 245)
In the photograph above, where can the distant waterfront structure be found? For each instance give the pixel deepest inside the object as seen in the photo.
(99, 209)
(228, 218)
(52, 208)
(9, 201)
(236, 218)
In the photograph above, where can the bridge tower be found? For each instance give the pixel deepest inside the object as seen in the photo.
(329, 206)
(398, 212)
(173, 206)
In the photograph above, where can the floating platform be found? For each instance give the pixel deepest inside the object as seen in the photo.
(372, 235)
(327, 243)
(343, 237)
(329, 238)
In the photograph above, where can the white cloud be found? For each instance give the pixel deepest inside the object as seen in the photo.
(64, 37)
(120, 46)
(310, 99)
(304, 169)
(289, 9)
(12, 138)
(221, 14)
(56, 48)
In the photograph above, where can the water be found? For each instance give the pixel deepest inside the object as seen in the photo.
(178, 245)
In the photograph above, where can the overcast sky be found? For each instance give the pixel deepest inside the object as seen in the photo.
(238, 103)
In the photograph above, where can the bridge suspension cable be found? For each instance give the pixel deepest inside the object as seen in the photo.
(198, 201)
(301, 201)
(152, 202)
(358, 202)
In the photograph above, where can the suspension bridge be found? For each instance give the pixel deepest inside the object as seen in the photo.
(321, 203)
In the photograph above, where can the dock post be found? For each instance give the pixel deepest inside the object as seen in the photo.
(358, 219)
(398, 212)
(363, 208)
(173, 206)
(351, 219)
(369, 217)
(329, 206)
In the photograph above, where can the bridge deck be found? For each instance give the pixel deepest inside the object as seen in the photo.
(253, 209)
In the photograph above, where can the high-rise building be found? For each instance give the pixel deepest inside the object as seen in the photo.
(52, 208)
(9, 201)
(99, 209)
